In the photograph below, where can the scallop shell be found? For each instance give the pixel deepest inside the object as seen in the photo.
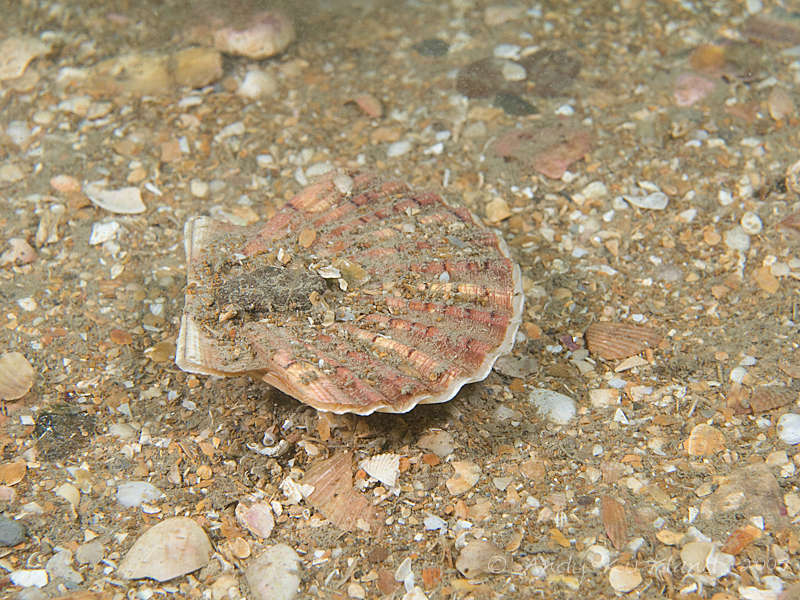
(359, 295)
(334, 496)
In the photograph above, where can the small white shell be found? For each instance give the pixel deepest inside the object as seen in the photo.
(383, 467)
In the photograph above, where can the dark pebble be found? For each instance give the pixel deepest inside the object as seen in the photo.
(11, 532)
(432, 47)
(552, 72)
(484, 78)
(62, 432)
(514, 105)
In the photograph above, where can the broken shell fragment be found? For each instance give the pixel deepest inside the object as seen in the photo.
(167, 550)
(480, 557)
(333, 495)
(619, 340)
(16, 376)
(360, 318)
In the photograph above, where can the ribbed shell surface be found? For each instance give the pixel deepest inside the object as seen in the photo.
(372, 298)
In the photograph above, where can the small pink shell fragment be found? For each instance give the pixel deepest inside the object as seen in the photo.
(371, 106)
(257, 519)
(19, 252)
(267, 33)
(66, 184)
(690, 89)
(549, 150)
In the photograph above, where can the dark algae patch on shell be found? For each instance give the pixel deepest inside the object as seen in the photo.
(375, 298)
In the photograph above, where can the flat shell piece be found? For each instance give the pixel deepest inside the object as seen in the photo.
(333, 495)
(398, 300)
(16, 376)
(619, 340)
(171, 548)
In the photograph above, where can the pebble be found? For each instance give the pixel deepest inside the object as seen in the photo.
(274, 574)
(226, 587)
(719, 564)
(59, 566)
(89, 553)
(480, 557)
(344, 183)
(43, 117)
(653, 201)
(737, 239)
(257, 519)
(257, 83)
(623, 578)
(751, 223)
(398, 148)
(434, 523)
(725, 198)
(497, 210)
(103, 232)
(694, 555)
(498, 14)
(513, 71)
(11, 173)
(512, 104)
(507, 51)
(11, 532)
(318, 169)
(66, 184)
(234, 129)
(556, 408)
(198, 188)
(76, 105)
(17, 52)
(465, 476)
(134, 493)
(19, 132)
(29, 577)
(433, 47)
(266, 34)
(173, 547)
(789, 428)
(780, 104)
(437, 441)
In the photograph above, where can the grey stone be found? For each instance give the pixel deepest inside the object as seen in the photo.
(11, 532)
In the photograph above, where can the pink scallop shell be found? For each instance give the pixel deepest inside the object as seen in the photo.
(418, 298)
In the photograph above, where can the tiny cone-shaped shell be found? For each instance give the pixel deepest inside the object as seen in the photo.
(399, 299)
(171, 548)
